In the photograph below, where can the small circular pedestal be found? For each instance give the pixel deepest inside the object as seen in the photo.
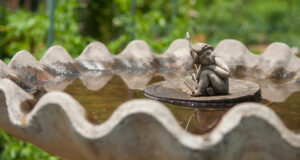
(175, 92)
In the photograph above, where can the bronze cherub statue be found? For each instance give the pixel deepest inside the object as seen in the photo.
(212, 73)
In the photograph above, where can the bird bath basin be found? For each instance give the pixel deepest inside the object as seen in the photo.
(94, 107)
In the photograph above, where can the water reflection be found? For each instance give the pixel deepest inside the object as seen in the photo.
(100, 104)
(272, 91)
(208, 118)
(137, 81)
(197, 121)
(96, 81)
(102, 94)
(288, 111)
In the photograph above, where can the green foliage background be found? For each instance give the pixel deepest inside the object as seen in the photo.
(158, 22)
(13, 149)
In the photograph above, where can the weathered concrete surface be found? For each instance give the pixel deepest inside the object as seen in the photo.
(33, 77)
(176, 92)
(30, 73)
(142, 129)
(95, 57)
(5, 71)
(146, 129)
(136, 56)
(56, 54)
(178, 55)
(235, 53)
(276, 63)
(23, 59)
(95, 51)
(58, 62)
(138, 50)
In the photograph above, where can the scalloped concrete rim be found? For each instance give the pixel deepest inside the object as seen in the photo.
(91, 50)
(76, 115)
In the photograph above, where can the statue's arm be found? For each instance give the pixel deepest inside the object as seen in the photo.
(222, 64)
(221, 69)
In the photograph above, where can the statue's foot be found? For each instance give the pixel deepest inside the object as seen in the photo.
(210, 91)
(198, 94)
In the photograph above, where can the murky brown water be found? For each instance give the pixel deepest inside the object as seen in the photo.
(102, 103)
(288, 111)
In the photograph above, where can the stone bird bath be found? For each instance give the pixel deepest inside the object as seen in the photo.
(35, 107)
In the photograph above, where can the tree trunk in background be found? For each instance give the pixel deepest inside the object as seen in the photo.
(97, 20)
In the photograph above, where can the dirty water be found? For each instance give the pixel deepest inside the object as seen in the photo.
(101, 103)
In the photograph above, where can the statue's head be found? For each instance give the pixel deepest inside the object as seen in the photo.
(204, 52)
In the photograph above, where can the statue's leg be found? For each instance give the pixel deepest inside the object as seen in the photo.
(217, 84)
(211, 84)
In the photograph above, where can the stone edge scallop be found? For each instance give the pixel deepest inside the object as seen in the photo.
(177, 49)
(17, 120)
